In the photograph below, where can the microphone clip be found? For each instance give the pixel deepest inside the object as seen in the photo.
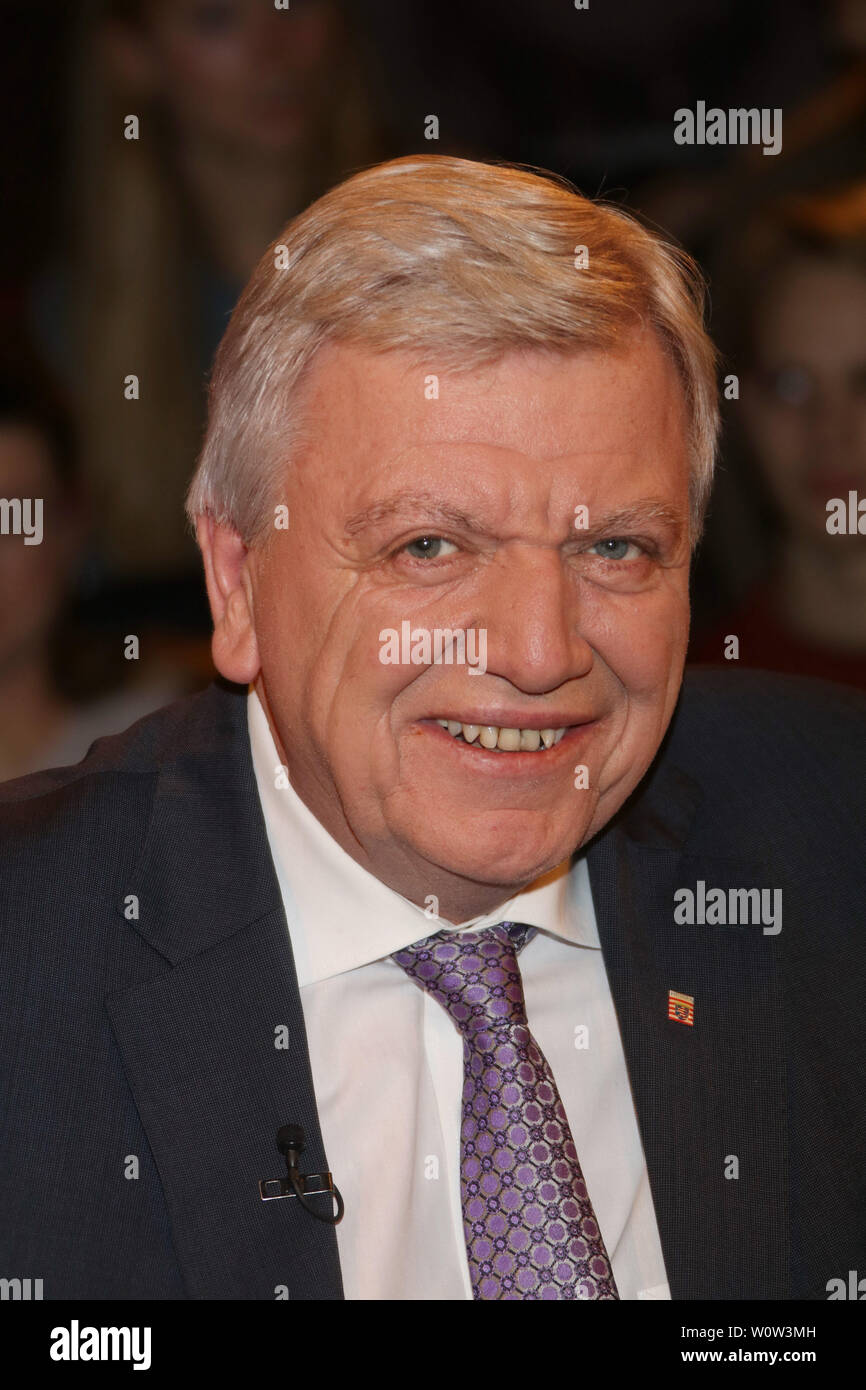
(290, 1142)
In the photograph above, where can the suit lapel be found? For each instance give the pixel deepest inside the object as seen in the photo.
(198, 1040)
(710, 1097)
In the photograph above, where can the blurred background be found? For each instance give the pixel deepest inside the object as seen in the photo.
(125, 256)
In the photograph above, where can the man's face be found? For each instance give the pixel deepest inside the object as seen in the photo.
(459, 513)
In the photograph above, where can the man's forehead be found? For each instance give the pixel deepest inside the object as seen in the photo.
(545, 404)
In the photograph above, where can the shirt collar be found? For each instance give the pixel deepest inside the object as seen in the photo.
(342, 917)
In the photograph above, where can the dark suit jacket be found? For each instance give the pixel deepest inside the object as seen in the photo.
(154, 1036)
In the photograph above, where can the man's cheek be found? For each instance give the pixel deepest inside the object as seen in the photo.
(652, 651)
(282, 624)
(639, 668)
(351, 694)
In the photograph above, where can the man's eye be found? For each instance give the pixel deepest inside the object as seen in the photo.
(427, 547)
(614, 548)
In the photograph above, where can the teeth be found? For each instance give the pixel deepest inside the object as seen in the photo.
(503, 740)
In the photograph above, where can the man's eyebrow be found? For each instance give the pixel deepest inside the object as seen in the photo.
(607, 522)
(637, 514)
(407, 503)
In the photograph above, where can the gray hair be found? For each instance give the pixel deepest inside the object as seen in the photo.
(437, 255)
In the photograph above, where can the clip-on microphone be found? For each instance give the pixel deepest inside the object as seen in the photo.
(290, 1142)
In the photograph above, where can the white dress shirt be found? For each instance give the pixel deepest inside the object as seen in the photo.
(387, 1060)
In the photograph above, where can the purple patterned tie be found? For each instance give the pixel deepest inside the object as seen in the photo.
(530, 1228)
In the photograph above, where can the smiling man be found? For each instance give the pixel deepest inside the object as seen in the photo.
(459, 514)
(423, 906)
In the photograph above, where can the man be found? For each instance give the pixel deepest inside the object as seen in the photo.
(563, 987)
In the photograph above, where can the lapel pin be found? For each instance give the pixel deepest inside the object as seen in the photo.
(681, 1007)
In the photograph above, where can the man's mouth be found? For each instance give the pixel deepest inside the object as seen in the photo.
(497, 738)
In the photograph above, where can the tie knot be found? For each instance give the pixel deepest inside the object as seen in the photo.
(473, 975)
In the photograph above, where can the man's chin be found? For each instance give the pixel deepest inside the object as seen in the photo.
(504, 861)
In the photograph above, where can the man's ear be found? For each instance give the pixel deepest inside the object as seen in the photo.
(229, 590)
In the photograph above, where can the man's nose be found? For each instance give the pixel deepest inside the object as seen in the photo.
(531, 611)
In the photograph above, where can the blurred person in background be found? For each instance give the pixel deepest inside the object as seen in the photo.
(50, 712)
(824, 132)
(791, 301)
(245, 113)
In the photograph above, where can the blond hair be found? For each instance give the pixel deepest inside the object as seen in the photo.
(446, 257)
